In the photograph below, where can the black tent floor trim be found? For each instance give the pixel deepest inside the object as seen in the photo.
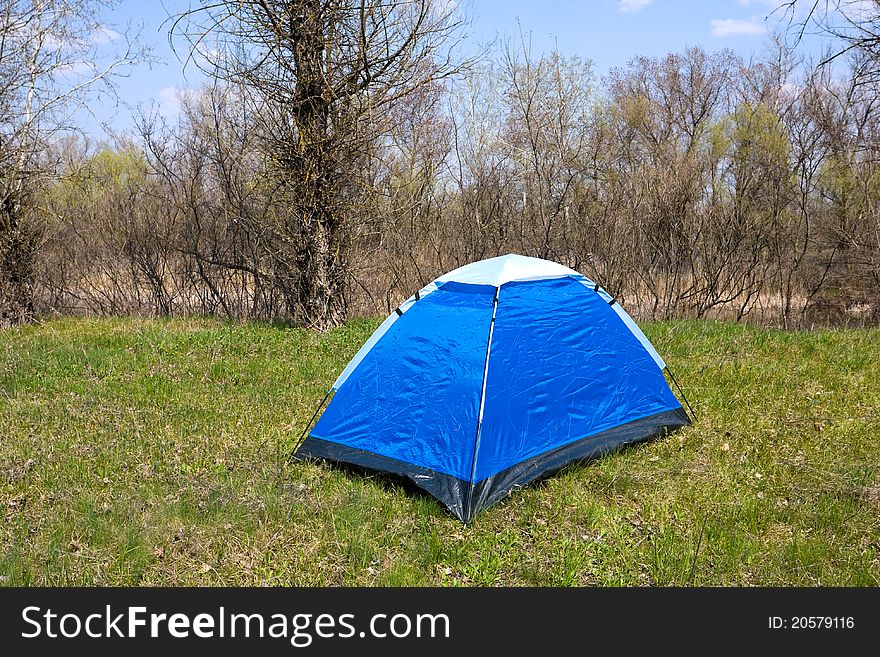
(464, 499)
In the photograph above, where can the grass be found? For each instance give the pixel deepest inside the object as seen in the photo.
(152, 452)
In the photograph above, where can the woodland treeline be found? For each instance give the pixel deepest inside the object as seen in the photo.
(342, 155)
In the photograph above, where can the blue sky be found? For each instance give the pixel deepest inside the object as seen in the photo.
(609, 32)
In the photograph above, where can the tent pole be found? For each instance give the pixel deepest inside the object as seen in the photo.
(681, 392)
(302, 436)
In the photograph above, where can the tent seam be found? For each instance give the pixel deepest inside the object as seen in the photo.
(470, 489)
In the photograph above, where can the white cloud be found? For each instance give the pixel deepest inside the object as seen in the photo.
(790, 89)
(207, 57)
(632, 6)
(103, 35)
(168, 101)
(445, 7)
(210, 54)
(722, 27)
(77, 69)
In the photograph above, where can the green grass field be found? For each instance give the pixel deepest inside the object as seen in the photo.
(153, 452)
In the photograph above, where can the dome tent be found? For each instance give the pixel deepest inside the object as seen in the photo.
(494, 375)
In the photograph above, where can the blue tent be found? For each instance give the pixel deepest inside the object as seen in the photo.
(494, 375)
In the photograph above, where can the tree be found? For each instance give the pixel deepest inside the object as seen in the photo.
(854, 24)
(322, 74)
(49, 68)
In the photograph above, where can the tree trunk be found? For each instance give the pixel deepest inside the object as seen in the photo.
(321, 281)
(317, 178)
(18, 246)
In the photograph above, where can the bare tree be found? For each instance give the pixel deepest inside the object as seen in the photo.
(49, 68)
(323, 74)
(854, 24)
(696, 184)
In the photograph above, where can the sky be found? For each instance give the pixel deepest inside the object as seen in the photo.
(609, 32)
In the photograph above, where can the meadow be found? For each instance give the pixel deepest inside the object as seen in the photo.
(155, 452)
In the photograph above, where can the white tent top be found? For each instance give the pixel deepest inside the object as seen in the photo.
(506, 268)
(497, 272)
